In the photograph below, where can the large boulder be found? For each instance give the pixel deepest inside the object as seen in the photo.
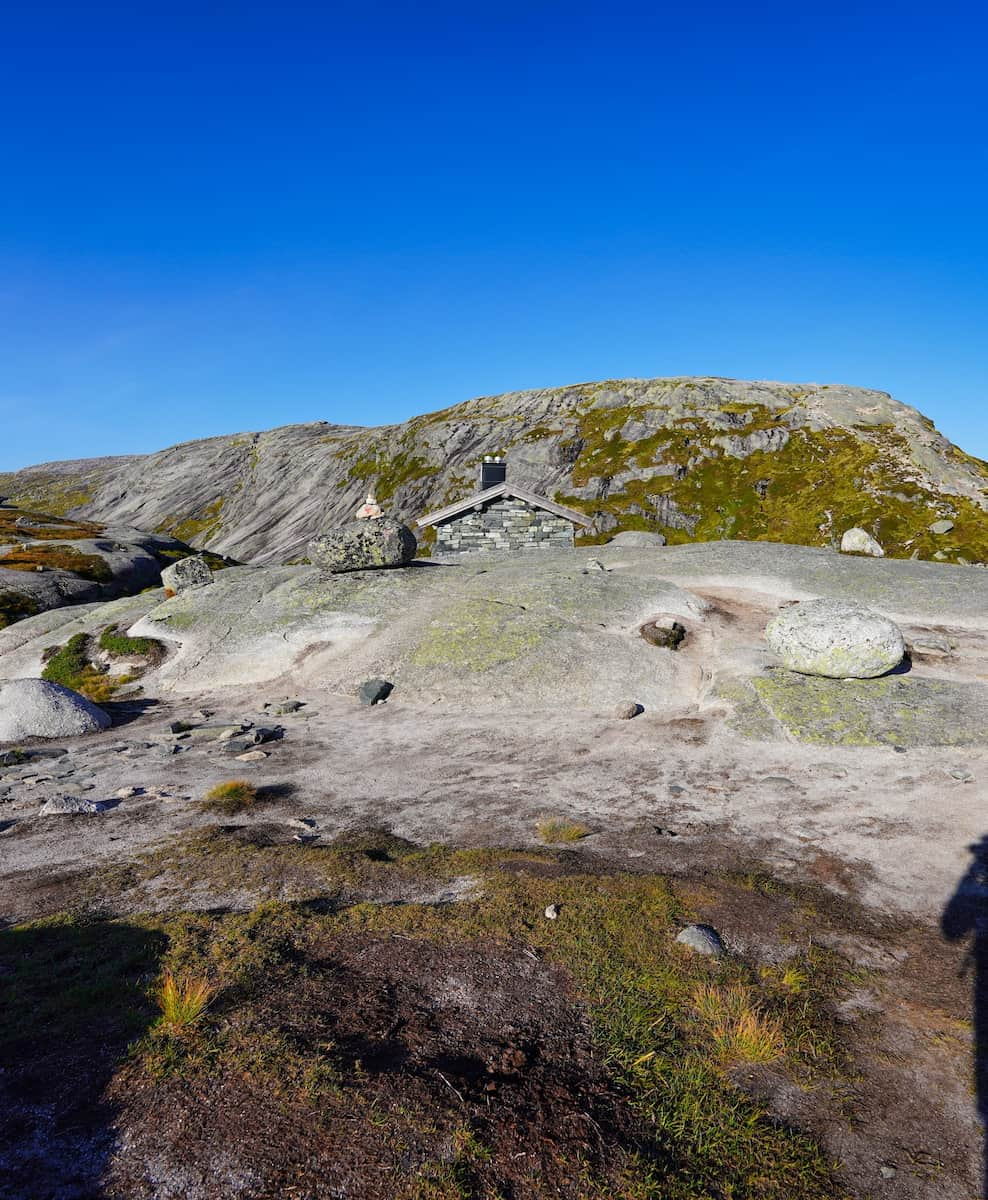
(364, 546)
(187, 574)
(836, 638)
(35, 708)
(860, 541)
(636, 538)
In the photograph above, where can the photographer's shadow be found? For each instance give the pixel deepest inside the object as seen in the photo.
(966, 915)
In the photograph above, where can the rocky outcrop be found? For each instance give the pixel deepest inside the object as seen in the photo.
(859, 541)
(48, 562)
(694, 459)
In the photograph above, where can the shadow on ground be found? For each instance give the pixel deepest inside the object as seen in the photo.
(73, 996)
(966, 915)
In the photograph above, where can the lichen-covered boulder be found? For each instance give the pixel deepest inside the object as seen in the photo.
(837, 639)
(860, 541)
(32, 708)
(187, 574)
(364, 546)
(637, 538)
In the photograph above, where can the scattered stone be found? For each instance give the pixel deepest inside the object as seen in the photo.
(593, 564)
(859, 541)
(704, 939)
(187, 575)
(66, 805)
(37, 708)
(237, 745)
(552, 912)
(203, 714)
(287, 707)
(374, 691)
(364, 546)
(180, 727)
(252, 756)
(962, 774)
(887, 1171)
(309, 823)
(229, 731)
(941, 526)
(669, 635)
(635, 538)
(628, 710)
(837, 639)
(265, 734)
(127, 793)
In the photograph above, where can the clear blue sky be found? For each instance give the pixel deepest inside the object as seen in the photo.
(225, 217)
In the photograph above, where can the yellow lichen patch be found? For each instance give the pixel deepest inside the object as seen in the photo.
(197, 527)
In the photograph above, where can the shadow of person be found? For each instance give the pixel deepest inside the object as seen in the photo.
(73, 996)
(966, 915)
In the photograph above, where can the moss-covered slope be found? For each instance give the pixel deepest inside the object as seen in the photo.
(695, 459)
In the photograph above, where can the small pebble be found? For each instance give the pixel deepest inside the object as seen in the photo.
(252, 756)
(552, 912)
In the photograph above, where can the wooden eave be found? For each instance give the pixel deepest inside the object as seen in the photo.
(509, 491)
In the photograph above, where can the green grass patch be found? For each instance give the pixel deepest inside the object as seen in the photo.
(115, 642)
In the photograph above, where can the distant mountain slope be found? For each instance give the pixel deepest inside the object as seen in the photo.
(695, 459)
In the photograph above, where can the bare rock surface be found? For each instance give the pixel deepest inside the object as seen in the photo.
(836, 638)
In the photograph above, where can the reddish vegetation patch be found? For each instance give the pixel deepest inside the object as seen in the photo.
(58, 557)
(450, 1070)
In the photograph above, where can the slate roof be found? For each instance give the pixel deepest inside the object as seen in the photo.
(508, 491)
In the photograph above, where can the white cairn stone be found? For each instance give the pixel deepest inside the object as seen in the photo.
(859, 541)
(837, 639)
(36, 708)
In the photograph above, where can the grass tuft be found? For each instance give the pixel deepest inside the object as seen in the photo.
(183, 999)
(233, 796)
(740, 1031)
(557, 829)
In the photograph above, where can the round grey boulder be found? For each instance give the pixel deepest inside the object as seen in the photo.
(944, 526)
(837, 639)
(859, 541)
(364, 546)
(635, 538)
(35, 708)
(704, 939)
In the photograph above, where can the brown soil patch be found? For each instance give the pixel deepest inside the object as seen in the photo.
(467, 1067)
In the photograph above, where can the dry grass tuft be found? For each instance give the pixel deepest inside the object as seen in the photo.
(556, 829)
(233, 796)
(183, 999)
(740, 1032)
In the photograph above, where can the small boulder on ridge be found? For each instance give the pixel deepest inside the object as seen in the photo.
(363, 546)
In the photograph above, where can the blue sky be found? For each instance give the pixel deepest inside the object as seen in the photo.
(216, 218)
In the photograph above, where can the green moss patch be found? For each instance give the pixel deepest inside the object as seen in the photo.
(73, 665)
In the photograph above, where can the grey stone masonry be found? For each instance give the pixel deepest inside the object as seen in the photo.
(503, 524)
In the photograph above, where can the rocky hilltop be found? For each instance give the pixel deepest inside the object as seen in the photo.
(696, 459)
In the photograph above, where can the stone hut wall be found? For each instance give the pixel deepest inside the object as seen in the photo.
(503, 525)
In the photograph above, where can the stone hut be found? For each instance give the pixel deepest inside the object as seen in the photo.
(502, 517)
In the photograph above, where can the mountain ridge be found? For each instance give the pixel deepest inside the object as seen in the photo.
(696, 458)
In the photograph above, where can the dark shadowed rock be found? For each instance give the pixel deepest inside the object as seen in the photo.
(364, 546)
(374, 691)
